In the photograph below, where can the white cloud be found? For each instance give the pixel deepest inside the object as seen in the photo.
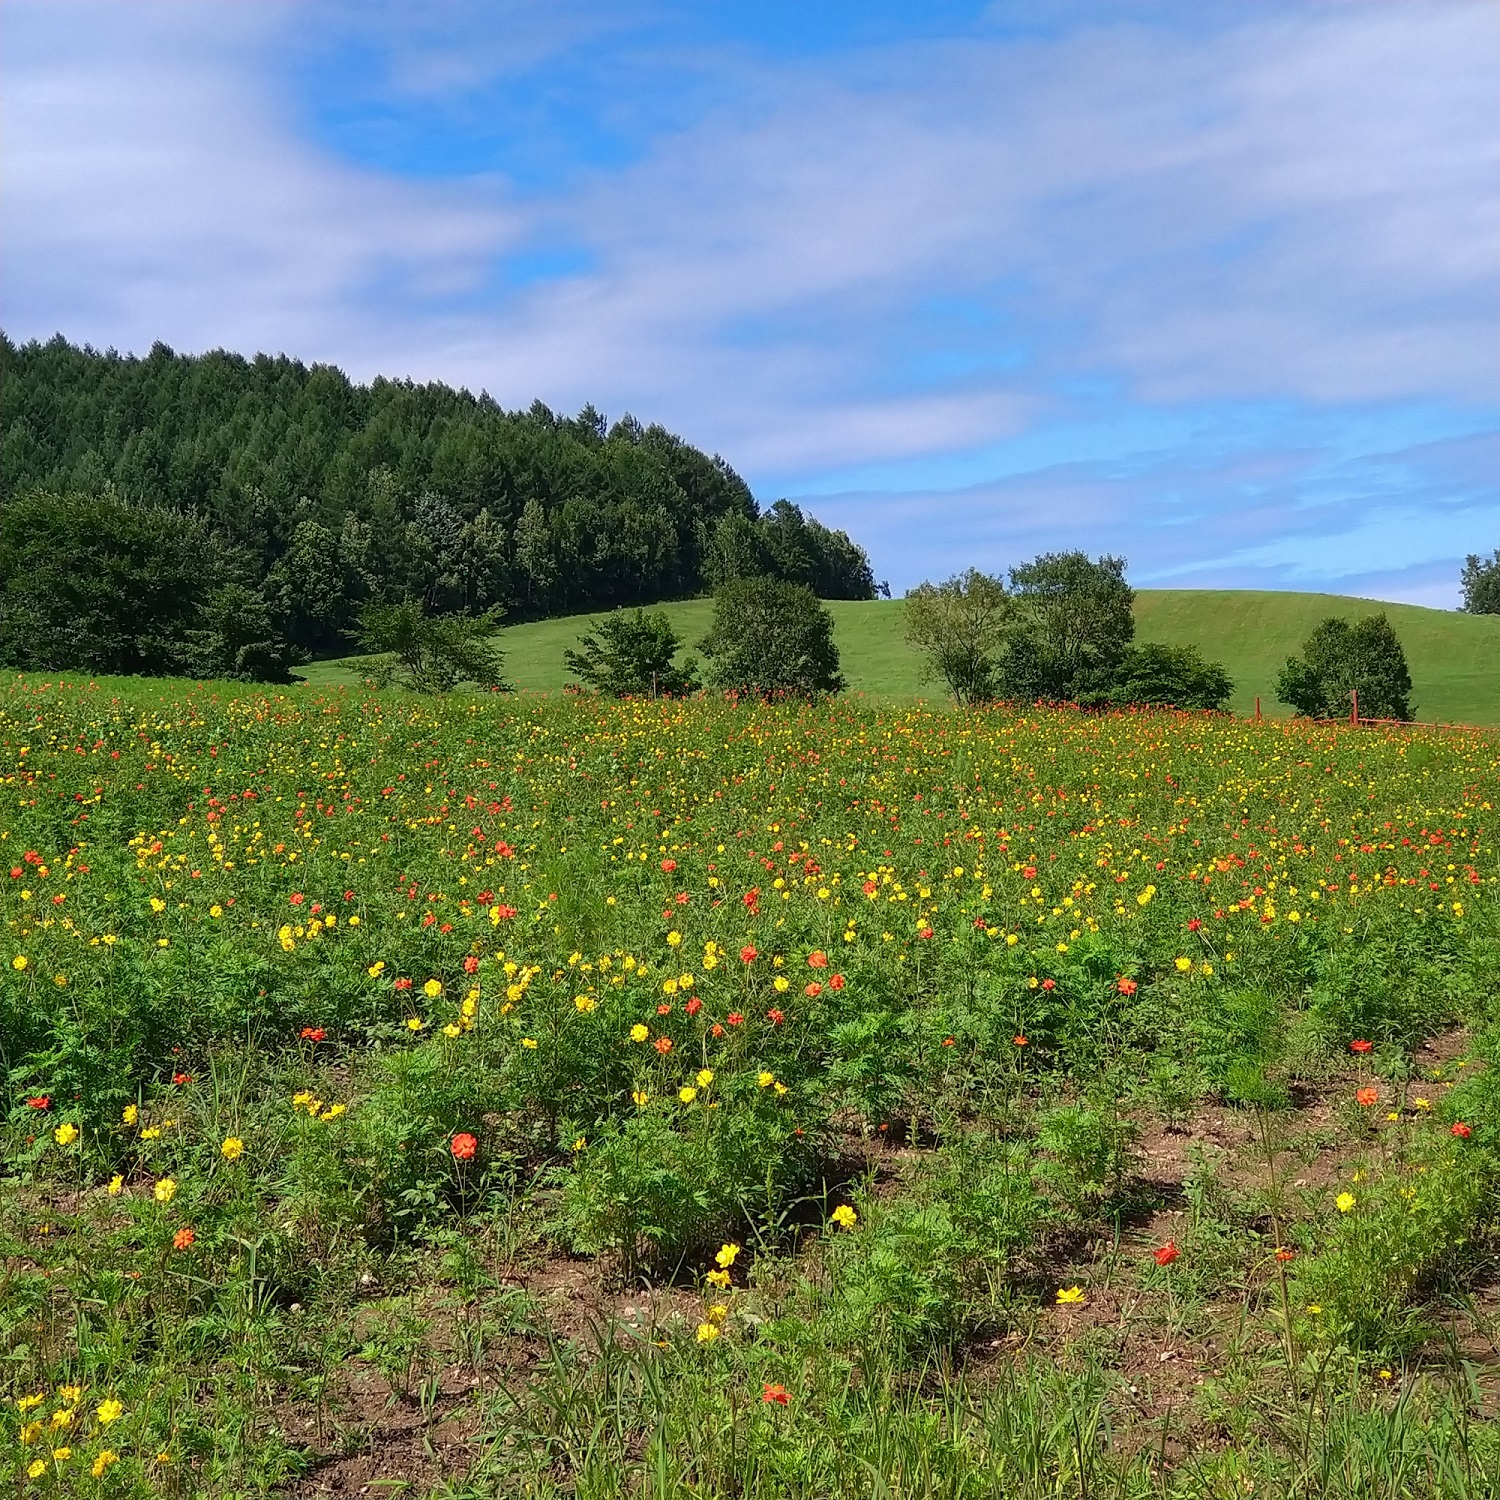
(1297, 204)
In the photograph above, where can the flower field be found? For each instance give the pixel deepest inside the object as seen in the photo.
(561, 1097)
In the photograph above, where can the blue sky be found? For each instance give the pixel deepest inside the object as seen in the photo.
(1215, 287)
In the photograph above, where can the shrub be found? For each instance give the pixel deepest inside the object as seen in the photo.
(928, 1266)
(1339, 658)
(959, 626)
(670, 1182)
(1400, 1231)
(429, 654)
(631, 656)
(770, 638)
(1165, 676)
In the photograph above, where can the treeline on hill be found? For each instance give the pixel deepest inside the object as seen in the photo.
(229, 516)
(1063, 631)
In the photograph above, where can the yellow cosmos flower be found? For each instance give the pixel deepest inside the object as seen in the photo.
(165, 1190)
(1344, 1202)
(844, 1216)
(707, 1333)
(432, 989)
(639, 1033)
(232, 1149)
(1070, 1295)
(109, 1411)
(687, 1093)
(726, 1255)
(65, 1134)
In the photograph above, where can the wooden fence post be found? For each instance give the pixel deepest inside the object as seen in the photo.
(1354, 706)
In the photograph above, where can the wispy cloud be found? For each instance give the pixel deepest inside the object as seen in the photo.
(1008, 285)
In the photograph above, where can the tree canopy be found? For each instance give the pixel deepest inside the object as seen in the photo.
(329, 496)
(632, 655)
(771, 639)
(1480, 581)
(1340, 658)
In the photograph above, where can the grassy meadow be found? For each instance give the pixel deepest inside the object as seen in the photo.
(1454, 658)
(553, 1097)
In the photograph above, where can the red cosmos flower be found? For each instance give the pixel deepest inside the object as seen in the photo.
(664, 1009)
(1360, 1045)
(15, 872)
(464, 1146)
(813, 990)
(181, 1078)
(1461, 1130)
(402, 984)
(668, 865)
(979, 924)
(1049, 984)
(775, 1017)
(1283, 1254)
(183, 1238)
(751, 898)
(1196, 924)
(748, 955)
(774, 1394)
(40, 1101)
(869, 887)
(348, 895)
(837, 982)
(682, 898)
(505, 913)
(734, 1018)
(817, 959)
(1164, 1255)
(663, 1044)
(313, 1034)
(1367, 1095)
(716, 1030)
(924, 932)
(947, 1041)
(1029, 872)
(1126, 986)
(297, 898)
(471, 965)
(1021, 1041)
(693, 1006)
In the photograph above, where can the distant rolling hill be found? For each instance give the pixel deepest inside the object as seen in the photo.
(1454, 658)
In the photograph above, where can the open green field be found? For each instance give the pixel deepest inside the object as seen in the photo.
(1454, 658)
(475, 1097)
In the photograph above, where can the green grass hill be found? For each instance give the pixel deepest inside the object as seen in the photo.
(1454, 658)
